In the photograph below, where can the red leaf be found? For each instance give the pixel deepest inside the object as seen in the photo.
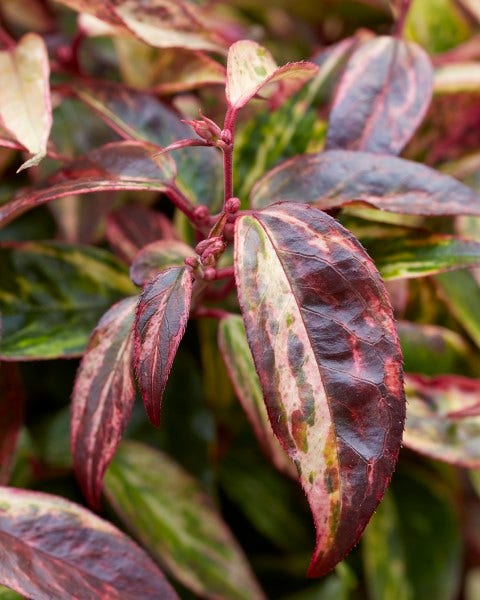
(323, 339)
(116, 166)
(11, 417)
(160, 322)
(53, 548)
(102, 398)
(338, 177)
(382, 97)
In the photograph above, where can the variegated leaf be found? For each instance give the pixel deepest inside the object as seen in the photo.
(443, 418)
(336, 177)
(156, 257)
(102, 398)
(160, 322)
(11, 417)
(322, 335)
(52, 548)
(381, 98)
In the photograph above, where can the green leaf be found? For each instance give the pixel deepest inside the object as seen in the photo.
(158, 256)
(166, 510)
(52, 295)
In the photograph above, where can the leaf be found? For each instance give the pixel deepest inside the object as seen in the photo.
(250, 67)
(236, 353)
(382, 97)
(52, 295)
(25, 105)
(337, 177)
(323, 339)
(53, 548)
(421, 255)
(160, 321)
(443, 418)
(11, 417)
(103, 398)
(165, 508)
(113, 167)
(156, 257)
(458, 77)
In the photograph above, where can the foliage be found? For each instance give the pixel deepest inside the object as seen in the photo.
(265, 334)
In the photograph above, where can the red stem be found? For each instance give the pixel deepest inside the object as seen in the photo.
(402, 17)
(183, 204)
(6, 41)
(229, 126)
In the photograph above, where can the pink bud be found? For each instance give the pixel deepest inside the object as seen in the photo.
(232, 205)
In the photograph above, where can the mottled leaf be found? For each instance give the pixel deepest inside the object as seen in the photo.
(167, 511)
(321, 331)
(115, 166)
(236, 353)
(103, 397)
(11, 417)
(25, 106)
(102, 9)
(156, 257)
(458, 77)
(52, 295)
(443, 418)
(337, 177)
(250, 67)
(53, 548)
(421, 255)
(382, 97)
(160, 321)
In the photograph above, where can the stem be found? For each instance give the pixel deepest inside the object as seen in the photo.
(183, 204)
(229, 126)
(402, 17)
(6, 41)
(225, 273)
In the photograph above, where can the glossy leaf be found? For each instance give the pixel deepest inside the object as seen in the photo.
(236, 353)
(103, 397)
(443, 418)
(53, 548)
(167, 511)
(337, 177)
(322, 335)
(113, 167)
(160, 321)
(156, 257)
(421, 255)
(250, 67)
(381, 98)
(11, 417)
(25, 105)
(52, 296)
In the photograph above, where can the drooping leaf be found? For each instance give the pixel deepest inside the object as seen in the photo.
(156, 257)
(25, 105)
(103, 397)
(443, 418)
(52, 295)
(167, 511)
(381, 98)
(238, 358)
(160, 322)
(115, 166)
(320, 328)
(11, 417)
(53, 548)
(337, 177)
(250, 67)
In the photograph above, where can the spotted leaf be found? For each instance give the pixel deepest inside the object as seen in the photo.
(322, 335)
(160, 322)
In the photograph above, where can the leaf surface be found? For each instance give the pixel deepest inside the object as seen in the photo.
(25, 105)
(156, 257)
(11, 417)
(382, 97)
(103, 397)
(336, 177)
(113, 167)
(321, 332)
(160, 321)
(53, 548)
(52, 295)
(167, 511)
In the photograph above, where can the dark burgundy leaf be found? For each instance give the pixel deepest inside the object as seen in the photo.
(382, 97)
(51, 548)
(337, 177)
(102, 398)
(323, 339)
(160, 322)
(11, 417)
